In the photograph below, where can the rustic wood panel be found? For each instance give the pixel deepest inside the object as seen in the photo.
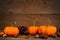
(27, 20)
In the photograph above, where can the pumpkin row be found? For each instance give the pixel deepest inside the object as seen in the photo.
(32, 30)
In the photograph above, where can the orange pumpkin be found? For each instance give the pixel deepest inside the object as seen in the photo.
(32, 30)
(11, 30)
(41, 29)
(48, 30)
(51, 30)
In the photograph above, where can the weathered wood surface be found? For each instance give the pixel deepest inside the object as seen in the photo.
(10, 38)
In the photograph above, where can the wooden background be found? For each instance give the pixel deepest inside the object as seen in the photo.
(29, 7)
(27, 20)
(25, 11)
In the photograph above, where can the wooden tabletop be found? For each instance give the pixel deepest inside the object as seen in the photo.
(11, 38)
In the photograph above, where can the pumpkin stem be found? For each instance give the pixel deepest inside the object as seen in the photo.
(34, 22)
(49, 21)
(14, 22)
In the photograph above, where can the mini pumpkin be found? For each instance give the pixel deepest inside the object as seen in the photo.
(51, 30)
(32, 30)
(41, 29)
(48, 30)
(11, 30)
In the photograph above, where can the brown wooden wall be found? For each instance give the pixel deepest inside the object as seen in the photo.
(27, 20)
(25, 11)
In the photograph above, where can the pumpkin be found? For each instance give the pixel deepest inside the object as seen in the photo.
(32, 30)
(48, 30)
(51, 30)
(11, 30)
(41, 29)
